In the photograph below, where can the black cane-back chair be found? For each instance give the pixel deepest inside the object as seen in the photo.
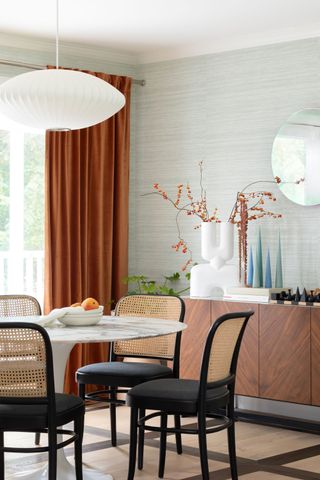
(20, 305)
(203, 398)
(28, 402)
(118, 376)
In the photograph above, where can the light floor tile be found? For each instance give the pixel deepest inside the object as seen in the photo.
(311, 464)
(265, 476)
(177, 467)
(254, 442)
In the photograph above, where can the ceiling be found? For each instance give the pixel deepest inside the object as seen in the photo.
(155, 30)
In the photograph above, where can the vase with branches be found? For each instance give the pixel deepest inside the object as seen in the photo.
(248, 206)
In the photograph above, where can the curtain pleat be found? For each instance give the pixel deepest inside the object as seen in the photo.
(86, 218)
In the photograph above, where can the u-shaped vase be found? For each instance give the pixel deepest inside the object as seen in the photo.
(217, 247)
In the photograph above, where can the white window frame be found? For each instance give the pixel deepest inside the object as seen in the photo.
(16, 260)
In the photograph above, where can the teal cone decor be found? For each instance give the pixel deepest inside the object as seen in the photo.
(268, 278)
(279, 277)
(258, 269)
(250, 269)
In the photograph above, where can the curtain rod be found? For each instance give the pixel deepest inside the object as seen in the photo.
(33, 66)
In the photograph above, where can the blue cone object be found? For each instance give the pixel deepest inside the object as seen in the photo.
(268, 278)
(279, 276)
(250, 269)
(258, 269)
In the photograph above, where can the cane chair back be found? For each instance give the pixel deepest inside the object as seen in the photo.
(223, 349)
(166, 307)
(23, 360)
(18, 306)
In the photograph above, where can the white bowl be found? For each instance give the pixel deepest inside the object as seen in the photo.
(80, 320)
(81, 317)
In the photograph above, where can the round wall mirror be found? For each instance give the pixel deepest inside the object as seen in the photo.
(296, 156)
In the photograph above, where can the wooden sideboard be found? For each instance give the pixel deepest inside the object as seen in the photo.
(280, 353)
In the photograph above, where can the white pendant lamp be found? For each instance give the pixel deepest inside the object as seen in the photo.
(57, 99)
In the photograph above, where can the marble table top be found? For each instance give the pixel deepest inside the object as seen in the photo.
(109, 329)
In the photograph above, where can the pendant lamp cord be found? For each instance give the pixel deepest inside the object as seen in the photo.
(57, 34)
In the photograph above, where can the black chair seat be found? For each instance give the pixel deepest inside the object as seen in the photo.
(25, 417)
(174, 396)
(203, 398)
(121, 374)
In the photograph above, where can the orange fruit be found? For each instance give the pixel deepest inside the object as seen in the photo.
(90, 303)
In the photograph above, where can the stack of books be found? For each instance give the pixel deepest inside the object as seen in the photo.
(250, 294)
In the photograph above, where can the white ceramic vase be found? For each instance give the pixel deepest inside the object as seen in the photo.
(217, 247)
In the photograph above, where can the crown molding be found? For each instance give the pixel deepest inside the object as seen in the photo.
(79, 50)
(103, 54)
(227, 45)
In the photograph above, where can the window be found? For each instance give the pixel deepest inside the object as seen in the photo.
(21, 210)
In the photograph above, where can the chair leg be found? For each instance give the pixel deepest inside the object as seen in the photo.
(81, 390)
(177, 424)
(232, 438)
(78, 428)
(133, 442)
(1, 455)
(52, 440)
(202, 438)
(232, 452)
(163, 444)
(113, 418)
(142, 413)
(37, 438)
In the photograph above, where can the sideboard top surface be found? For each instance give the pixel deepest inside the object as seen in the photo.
(245, 300)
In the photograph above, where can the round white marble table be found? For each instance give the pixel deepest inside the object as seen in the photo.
(63, 339)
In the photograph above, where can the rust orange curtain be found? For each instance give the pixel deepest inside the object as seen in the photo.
(86, 218)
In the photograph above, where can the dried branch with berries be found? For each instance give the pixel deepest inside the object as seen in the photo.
(193, 208)
(248, 206)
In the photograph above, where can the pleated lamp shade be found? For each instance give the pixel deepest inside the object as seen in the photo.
(57, 99)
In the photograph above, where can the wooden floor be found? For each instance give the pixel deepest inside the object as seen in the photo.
(263, 452)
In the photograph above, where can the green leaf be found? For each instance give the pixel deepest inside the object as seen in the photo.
(148, 282)
(172, 292)
(152, 287)
(174, 277)
(149, 287)
(164, 290)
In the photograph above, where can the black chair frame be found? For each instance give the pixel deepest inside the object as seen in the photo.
(20, 305)
(227, 420)
(52, 430)
(101, 395)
